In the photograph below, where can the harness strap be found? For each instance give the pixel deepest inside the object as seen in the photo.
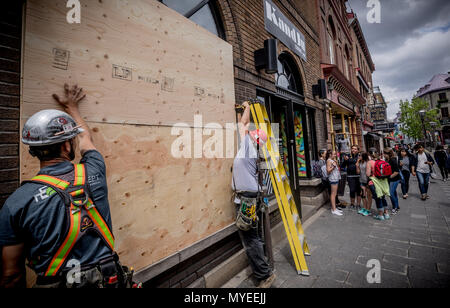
(78, 211)
(62, 253)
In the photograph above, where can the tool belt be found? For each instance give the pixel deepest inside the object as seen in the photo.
(108, 273)
(247, 216)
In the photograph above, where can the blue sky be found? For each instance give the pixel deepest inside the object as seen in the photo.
(408, 47)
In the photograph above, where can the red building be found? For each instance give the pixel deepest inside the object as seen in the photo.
(347, 67)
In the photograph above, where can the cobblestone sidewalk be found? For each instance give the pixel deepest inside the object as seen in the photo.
(413, 247)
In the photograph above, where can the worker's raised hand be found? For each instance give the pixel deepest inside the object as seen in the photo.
(72, 97)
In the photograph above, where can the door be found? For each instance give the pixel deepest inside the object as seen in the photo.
(290, 140)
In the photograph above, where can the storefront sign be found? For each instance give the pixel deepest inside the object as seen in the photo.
(282, 28)
(346, 103)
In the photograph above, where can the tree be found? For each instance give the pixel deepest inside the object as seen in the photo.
(412, 123)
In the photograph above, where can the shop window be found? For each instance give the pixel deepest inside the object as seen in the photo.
(202, 12)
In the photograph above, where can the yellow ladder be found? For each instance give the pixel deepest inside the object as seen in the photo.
(282, 190)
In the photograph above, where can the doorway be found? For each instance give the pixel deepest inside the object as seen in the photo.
(291, 141)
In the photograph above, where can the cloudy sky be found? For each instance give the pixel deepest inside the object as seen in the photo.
(408, 47)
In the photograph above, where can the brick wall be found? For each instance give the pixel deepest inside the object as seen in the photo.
(10, 56)
(244, 27)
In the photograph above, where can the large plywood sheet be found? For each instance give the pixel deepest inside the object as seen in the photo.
(160, 204)
(139, 62)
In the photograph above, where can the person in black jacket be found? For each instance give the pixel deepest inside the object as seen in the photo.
(441, 160)
(406, 161)
(352, 176)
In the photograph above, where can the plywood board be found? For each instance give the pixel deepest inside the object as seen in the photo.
(139, 62)
(160, 204)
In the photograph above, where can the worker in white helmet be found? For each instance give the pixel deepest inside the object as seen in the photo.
(61, 218)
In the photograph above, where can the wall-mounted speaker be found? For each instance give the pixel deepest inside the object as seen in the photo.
(267, 58)
(320, 89)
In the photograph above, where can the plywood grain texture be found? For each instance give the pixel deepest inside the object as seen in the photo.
(144, 68)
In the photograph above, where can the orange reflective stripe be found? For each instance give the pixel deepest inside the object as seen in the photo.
(62, 253)
(52, 181)
(80, 177)
(101, 224)
(77, 192)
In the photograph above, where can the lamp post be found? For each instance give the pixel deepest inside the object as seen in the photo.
(422, 117)
(433, 126)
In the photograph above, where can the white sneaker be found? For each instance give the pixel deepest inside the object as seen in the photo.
(337, 213)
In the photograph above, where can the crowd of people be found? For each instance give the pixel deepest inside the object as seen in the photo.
(376, 176)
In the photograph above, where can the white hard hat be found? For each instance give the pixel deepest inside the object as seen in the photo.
(49, 127)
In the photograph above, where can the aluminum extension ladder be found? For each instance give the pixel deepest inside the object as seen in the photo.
(282, 190)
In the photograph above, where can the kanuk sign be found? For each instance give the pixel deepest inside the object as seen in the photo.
(283, 29)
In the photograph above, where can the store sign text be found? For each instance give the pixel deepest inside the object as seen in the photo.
(282, 28)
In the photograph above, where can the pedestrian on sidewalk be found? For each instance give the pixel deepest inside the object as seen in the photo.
(440, 157)
(378, 186)
(325, 182)
(361, 168)
(423, 163)
(394, 178)
(333, 177)
(406, 161)
(245, 184)
(349, 163)
(447, 163)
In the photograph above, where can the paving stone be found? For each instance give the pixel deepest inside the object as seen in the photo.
(413, 248)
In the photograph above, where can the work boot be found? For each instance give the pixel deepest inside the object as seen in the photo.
(267, 283)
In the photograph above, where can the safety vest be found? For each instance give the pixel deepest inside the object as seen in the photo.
(81, 211)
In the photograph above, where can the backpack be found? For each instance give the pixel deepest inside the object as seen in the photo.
(324, 172)
(382, 169)
(317, 170)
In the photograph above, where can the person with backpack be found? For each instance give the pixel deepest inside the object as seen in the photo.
(440, 157)
(378, 172)
(394, 178)
(423, 163)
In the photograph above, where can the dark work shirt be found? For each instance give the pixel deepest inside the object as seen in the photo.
(350, 165)
(37, 218)
(395, 168)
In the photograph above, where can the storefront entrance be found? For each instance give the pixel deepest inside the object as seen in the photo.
(292, 135)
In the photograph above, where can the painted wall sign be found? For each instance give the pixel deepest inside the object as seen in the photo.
(283, 29)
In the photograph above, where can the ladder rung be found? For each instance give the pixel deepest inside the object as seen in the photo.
(289, 197)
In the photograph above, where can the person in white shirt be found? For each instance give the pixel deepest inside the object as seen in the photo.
(422, 169)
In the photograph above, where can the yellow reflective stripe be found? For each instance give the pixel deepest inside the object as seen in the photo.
(101, 224)
(66, 247)
(52, 181)
(79, 175)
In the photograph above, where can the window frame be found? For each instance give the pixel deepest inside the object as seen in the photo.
(213, 7)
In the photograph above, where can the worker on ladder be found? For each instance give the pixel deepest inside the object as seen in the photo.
(247, 189)
(60, 221)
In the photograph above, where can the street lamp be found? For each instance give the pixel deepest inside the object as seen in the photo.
(422, 117)
(433, 126)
